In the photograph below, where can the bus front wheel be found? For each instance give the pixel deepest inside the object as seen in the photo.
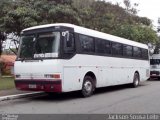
(88, 86)
(136, 80)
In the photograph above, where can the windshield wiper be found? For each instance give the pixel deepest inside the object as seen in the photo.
(23, 59)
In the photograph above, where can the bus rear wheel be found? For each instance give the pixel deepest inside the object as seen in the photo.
(136, 80)
(88, 86)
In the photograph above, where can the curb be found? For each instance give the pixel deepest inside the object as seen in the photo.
(17, 96)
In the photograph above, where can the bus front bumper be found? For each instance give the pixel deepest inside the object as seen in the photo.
(154, 74)
(39, 85)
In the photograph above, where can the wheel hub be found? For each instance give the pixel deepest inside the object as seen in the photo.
(136, 82)
(88, 86)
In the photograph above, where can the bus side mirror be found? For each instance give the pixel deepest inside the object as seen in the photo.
(69, 44)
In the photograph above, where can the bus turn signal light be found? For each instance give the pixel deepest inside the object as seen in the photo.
(57, 76)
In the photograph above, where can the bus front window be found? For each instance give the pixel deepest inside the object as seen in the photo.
(45, 45)
(154, 61)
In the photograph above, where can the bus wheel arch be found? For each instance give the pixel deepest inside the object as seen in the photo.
(136, 79)
(89, 84)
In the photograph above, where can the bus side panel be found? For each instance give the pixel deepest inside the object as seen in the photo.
(111, 76)
(116, 71)
(108, 71)
(74, 75)
(143, 68)
(117, 76)
(71, 79)
(144, 74)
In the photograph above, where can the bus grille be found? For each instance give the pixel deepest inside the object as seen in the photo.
(154, 72)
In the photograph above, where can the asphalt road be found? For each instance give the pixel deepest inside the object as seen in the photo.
(117, 99)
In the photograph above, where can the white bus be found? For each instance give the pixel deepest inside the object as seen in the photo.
(155, 66)
(66, 57)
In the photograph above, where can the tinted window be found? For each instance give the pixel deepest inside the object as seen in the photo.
(108, 47)
(116, 48)
(145, 53)
(100, 46)
(103, 46)
(137, 52)
(127, 50)
(47, 43)
(87, 43)
(154, 61)
(27, 46)
(69, 43)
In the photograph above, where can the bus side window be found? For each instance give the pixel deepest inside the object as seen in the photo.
(137, 53)
(145, 54)
(127, 51)
(117, 49)
(87, 44)
(69, 45)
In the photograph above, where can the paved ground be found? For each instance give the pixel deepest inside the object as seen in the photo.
(118, 99)
(12, 92)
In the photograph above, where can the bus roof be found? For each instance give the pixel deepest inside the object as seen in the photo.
(93, 33)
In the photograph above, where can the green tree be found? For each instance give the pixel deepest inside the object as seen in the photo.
(137, 33)
(95, 14)
(27, 13)
(63, 13)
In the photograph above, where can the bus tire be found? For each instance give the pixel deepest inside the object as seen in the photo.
(87, 87)
(136, 80)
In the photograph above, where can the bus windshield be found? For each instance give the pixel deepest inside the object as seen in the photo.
(42, 45)
(154, 61)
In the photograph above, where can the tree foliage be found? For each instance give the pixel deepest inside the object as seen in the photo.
(137, 33)
(95, 14)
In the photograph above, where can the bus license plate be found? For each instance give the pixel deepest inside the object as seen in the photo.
(32, 86)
